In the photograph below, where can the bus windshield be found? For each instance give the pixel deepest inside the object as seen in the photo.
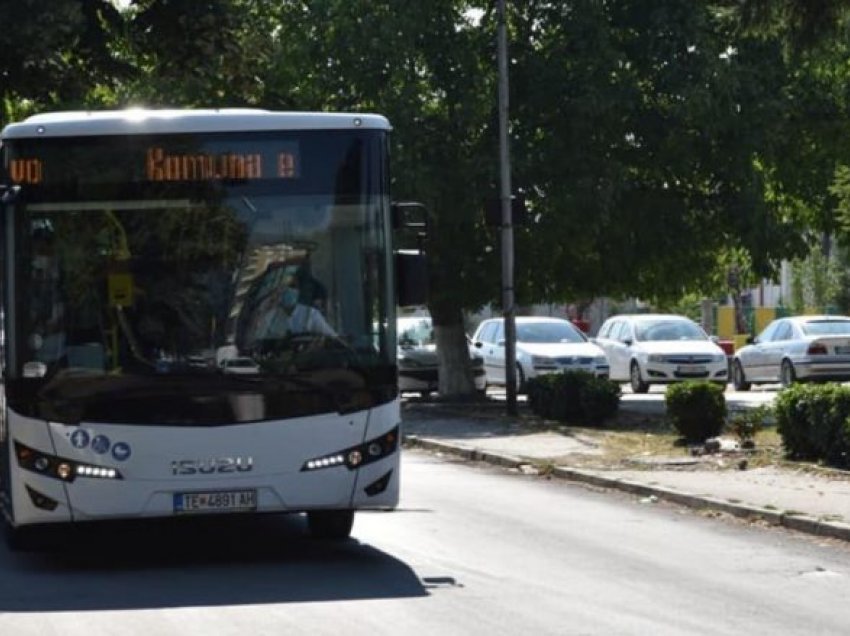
(200, 279)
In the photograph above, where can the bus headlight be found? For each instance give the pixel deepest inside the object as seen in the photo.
(60, 467)
(357, 456)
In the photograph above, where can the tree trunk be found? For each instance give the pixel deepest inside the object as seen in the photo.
(453, 351)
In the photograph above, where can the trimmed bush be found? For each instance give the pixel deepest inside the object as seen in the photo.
(747, 423)
(813, 422)
(599, 400)
(697, 409)
(573, 396)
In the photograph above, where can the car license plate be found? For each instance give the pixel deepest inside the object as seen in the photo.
(691, 368)
(215, 501)
(842, 350)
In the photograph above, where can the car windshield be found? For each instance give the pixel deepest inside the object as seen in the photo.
(548, 332)
(415, 332)
(827, 328)
(655, 330)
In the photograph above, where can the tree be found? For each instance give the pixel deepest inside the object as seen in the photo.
(56, 53)
(639, 133)
(802, 24)
(424, 66)
(197, 53)
(804, 171)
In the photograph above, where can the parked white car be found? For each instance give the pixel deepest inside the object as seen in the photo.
(647, 349)
(543, 345)
(795, 348)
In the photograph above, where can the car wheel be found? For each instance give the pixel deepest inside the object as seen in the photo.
(638, 385)
(334, 525)
(520, 379)
(739, 380)
(787, 375)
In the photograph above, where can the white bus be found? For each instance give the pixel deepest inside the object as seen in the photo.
(144, 249)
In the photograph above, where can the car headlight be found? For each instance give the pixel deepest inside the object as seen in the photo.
(720, 357)
(600, 361)
(656, 357)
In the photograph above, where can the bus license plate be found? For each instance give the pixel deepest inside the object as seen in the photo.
(215, 501)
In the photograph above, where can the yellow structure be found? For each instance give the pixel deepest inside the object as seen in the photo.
(758, 319)
(725, 322)
(740, 340)
(762, 318)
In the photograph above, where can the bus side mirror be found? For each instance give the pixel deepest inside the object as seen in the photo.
(410, 219)
(411, 278)
(409, 215)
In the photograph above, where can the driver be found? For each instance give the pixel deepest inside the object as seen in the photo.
(289, 316)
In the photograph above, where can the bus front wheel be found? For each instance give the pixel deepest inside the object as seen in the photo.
(23, 539)
(330, 524)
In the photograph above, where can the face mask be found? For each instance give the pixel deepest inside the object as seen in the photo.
(289, 297)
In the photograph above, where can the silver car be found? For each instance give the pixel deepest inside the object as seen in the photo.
(795, 348)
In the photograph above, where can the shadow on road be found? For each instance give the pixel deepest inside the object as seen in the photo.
(197, 562)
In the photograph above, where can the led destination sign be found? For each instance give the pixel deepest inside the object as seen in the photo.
(157, 165)
(26, 171)
(160, 166)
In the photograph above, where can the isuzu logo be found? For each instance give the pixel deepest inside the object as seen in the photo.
(212, 465)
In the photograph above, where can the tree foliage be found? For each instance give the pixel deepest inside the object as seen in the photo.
(56, 53)
(656, 129)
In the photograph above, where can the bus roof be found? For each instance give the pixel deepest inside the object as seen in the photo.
(136, 121)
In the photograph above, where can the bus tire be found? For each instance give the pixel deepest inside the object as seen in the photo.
(22, 539)
(332, 525)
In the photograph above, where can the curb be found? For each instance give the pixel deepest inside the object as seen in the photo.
(792, 521)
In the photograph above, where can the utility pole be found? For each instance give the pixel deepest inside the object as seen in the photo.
(507, 218)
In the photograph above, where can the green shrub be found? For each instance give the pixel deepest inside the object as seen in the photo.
(573, 396)
(553, 398)
(812, 420)
(599, 399)
(747, 423)
(697, 409)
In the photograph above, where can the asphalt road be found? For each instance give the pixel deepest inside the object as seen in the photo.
(472, 550)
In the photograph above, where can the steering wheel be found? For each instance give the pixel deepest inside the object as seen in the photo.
(298, 346)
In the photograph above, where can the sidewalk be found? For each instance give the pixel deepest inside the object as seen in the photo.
(815, 502)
